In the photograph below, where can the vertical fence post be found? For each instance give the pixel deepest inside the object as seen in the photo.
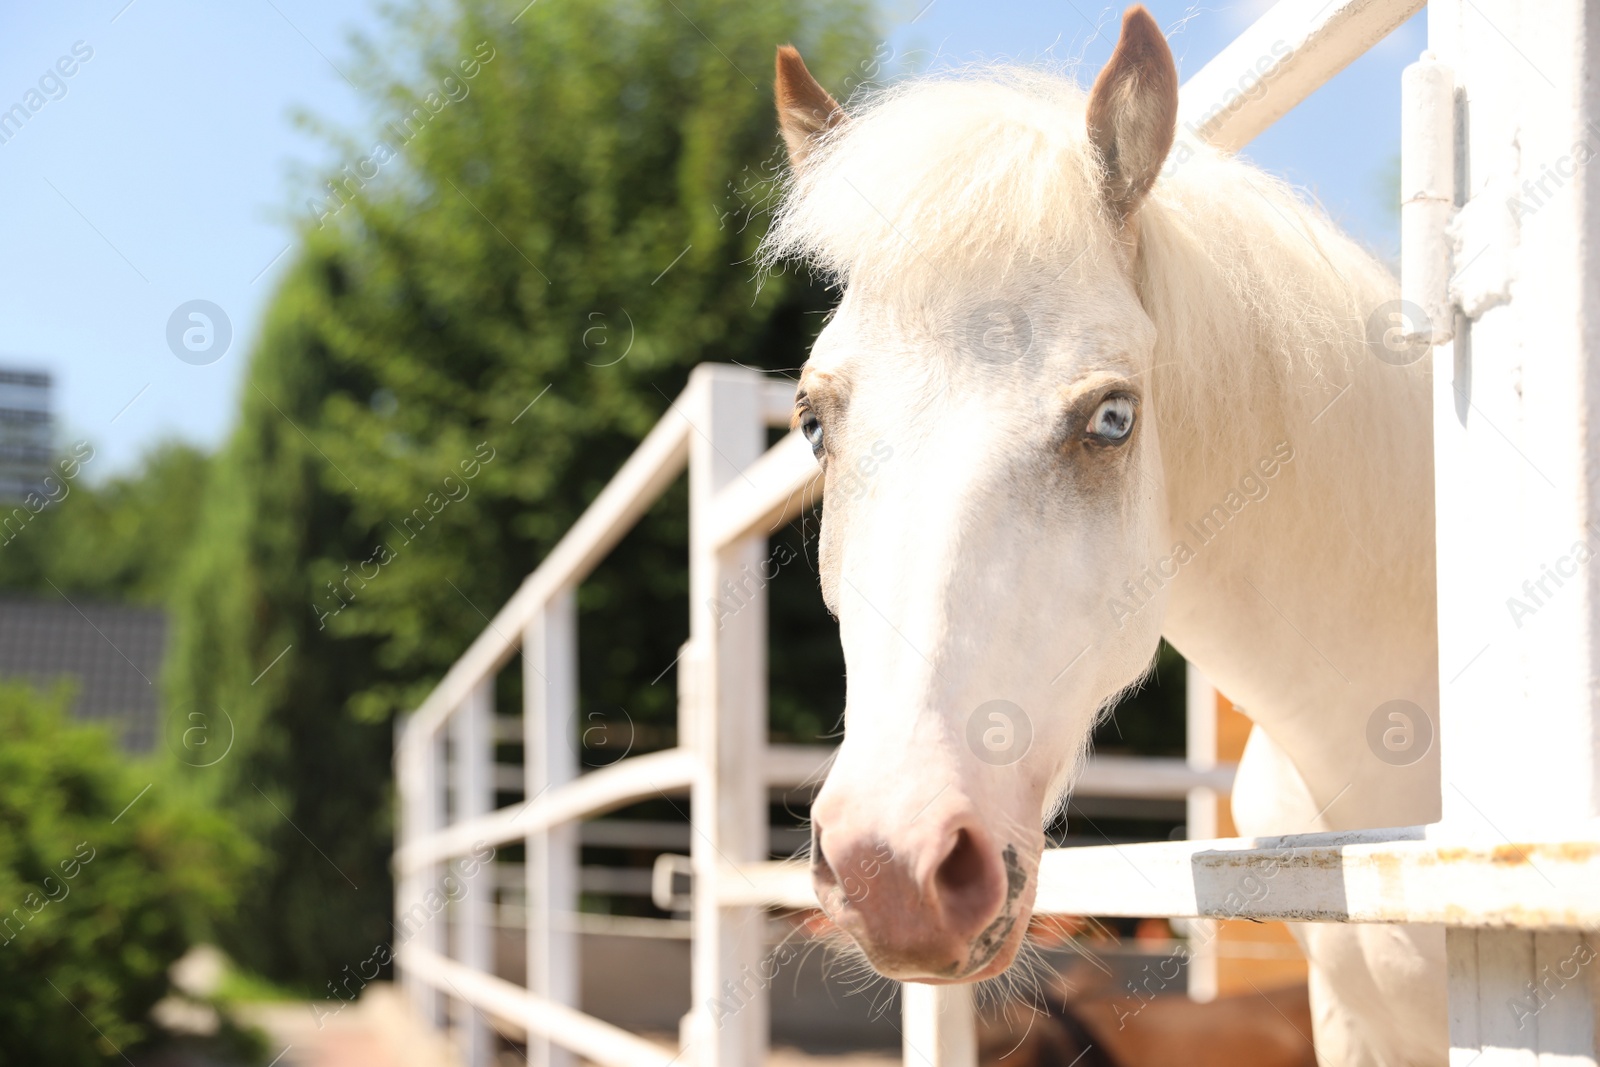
(1200, 744)
(550, 687)
(939, 1026)
(408, 775)
(472, 739)
(1516, 395)
(726, 722)
(422, 811)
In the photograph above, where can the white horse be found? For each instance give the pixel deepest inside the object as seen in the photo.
(1130, 391)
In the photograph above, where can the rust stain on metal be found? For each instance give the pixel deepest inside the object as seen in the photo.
(1249, 859)
(1519, 854)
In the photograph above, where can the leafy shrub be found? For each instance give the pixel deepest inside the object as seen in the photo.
(107, 875)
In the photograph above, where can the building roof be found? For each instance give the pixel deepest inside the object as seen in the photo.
(111, 652)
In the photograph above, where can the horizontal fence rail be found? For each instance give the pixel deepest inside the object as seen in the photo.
(598, 1041)
(625, 782)
(654, 465)
(1366, 876)
(671, 772)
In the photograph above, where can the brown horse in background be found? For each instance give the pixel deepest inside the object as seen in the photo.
(1268, 1028)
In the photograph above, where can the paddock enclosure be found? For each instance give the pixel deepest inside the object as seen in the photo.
(1500, 223)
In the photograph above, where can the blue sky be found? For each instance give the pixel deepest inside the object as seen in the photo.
(164, 170)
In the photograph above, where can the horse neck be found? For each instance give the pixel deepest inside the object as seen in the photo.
(1303, 486)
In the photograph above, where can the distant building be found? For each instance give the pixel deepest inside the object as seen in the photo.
(27, 432)
(111, 653)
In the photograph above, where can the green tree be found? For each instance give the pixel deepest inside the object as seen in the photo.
(497, 297)
(123, 539)
(106, 876)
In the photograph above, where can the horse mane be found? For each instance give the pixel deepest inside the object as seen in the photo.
(1259, 302)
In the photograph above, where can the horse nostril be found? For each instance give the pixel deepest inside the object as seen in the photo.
(823, 876)
(934, 904)
(965, 881)
(818, 861)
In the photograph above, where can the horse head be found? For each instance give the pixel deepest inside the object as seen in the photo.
(980, 408)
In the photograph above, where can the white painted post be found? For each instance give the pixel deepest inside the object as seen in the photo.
(1427, 199)
(472, 736)
(415, 775)
(725, 720)
(550, 685)
(939, 1026)
(423, 812)
(1200, 744)
(1517, 451)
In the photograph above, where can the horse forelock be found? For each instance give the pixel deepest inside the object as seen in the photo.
(943, 175)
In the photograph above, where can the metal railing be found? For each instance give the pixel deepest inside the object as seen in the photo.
(1484, 889)
(722, 760)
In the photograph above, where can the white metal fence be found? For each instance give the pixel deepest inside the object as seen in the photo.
(1511, 80)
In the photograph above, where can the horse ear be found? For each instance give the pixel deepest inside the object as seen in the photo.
(805, 110)
(1133, 110)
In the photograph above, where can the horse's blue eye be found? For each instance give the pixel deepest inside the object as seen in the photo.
(1113, 419)
(811, 428)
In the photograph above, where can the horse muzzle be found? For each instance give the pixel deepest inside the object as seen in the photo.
(940, 900)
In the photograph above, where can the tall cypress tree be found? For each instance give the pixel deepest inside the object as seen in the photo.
(496, 298)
